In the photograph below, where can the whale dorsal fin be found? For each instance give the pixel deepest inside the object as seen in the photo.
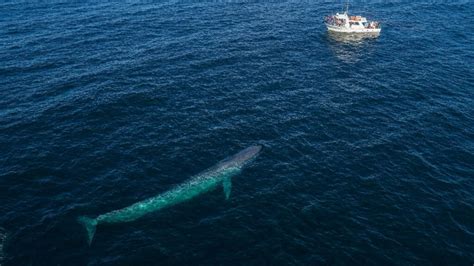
(227, 185)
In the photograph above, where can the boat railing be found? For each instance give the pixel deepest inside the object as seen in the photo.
(332, 20)
(373, 25)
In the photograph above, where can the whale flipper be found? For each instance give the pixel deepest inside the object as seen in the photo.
(227, 184)
(90, 225)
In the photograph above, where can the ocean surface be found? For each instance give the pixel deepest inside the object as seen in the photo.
(368, 152)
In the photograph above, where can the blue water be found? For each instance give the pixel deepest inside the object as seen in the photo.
(369, 144)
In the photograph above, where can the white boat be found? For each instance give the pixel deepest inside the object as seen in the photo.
(345, 23)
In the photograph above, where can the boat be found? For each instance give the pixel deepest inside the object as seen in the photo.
(344, 23)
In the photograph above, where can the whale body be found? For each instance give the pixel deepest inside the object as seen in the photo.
(206, 181)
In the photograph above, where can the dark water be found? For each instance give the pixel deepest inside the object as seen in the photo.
(369, 144)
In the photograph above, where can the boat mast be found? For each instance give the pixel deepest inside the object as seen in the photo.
(347, 7)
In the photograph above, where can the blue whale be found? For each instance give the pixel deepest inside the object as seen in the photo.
(206, 181)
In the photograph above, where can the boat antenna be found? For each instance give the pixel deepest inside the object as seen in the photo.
(347, 6)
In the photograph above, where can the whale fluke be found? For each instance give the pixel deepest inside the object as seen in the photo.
(3, 240)
(90, 225)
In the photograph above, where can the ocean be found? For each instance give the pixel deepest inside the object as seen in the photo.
(368, 154)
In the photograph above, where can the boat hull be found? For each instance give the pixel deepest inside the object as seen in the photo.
(351, 30)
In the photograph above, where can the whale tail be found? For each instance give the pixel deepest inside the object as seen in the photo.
(90, 225)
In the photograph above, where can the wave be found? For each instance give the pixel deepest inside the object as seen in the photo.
(3, 240)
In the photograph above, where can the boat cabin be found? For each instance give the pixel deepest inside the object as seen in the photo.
(345, 23)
